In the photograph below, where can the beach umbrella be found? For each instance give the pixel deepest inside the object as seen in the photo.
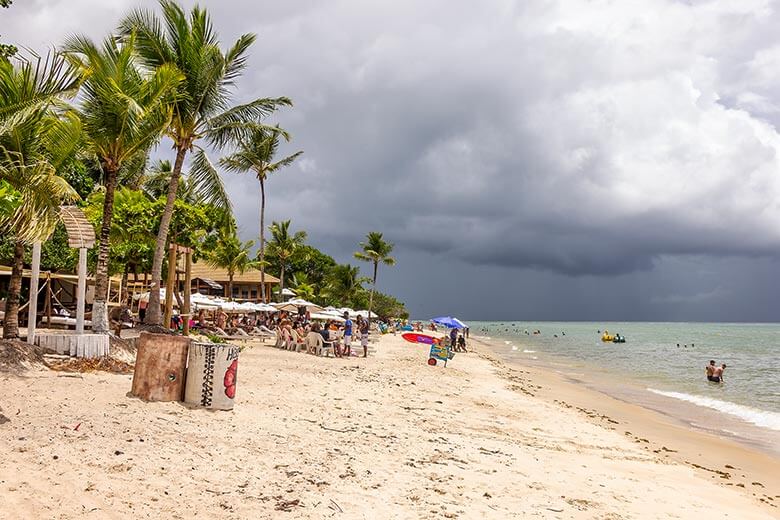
(230, 306)
(144, 297)
(327, 316)
(264, 307)
(201, 301)
(248, 307)
(449, 322)
(293, 305)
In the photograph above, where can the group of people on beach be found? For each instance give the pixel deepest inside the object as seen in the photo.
(300, 334)
(714, 373)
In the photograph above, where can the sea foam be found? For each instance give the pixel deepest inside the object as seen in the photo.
(762, 418)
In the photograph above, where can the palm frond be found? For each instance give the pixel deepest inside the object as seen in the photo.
(41, 192)
(207, 182)
(237, 122)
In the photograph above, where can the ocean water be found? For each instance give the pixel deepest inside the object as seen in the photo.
(654, 366)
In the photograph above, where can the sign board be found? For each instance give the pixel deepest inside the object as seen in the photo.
(441, 353)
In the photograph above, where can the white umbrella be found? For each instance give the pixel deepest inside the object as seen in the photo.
(365, 314)
(230, 306)
(247, 307)
(293, 305)
(325, 316)
(201, 301)
(144, 297)
(264, 307)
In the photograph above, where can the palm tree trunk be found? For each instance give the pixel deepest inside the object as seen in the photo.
(100, 305)
(281, 284)
(153, 311)
(230, 287)
(371, 296)
(11, 323)
(262, 241)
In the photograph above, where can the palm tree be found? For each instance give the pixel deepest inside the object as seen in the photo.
(232, 255)
(303, 287)
(283, 245)
(201, 109)
(255, 152)
(36, 135)
(375, 250)
(123, 113)
(197, 187)
(344, 284)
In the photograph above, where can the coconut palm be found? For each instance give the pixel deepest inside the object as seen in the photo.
(344, 284)
(195, 188)
(375, 250)
(233, 255)
(303, 287)
(283, 245)
(255, 152)
(36, 136)
(202, 109)
(123, 113)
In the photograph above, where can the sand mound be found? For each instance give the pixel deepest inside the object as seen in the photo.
(18, 355)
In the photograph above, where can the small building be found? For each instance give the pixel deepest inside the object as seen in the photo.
(246, 286)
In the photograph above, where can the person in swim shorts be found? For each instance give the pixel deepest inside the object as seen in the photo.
(717, 375)
(347, 335)
(709, 370)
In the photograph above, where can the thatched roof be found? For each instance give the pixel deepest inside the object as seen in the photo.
(205, 271)
(80, 231)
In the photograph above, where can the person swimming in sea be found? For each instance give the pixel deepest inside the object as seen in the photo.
(714, 373)
(718, 373)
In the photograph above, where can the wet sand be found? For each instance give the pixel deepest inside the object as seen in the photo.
(383, 437)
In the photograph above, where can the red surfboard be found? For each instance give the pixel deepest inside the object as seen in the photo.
(419, 338)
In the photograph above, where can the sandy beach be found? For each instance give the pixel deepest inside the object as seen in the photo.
(383, 437)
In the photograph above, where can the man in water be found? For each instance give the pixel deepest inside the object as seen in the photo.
(710, 371)
(717, 376)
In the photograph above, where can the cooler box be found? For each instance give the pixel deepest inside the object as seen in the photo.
(212, 375)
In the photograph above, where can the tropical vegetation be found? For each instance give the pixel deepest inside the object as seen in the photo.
(38, 133)
(256, 152)
(79, 127)
(376, 251)
(201, 108)
(232, 255)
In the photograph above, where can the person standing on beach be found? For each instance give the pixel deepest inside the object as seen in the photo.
(347, 335)
(363, 328)
(454, 339)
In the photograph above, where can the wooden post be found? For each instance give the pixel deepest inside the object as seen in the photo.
(169, 285)
(81, 290)
(32, 309)
(187, 291)
(47, 305)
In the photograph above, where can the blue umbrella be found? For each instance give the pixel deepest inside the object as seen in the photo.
(449, 322)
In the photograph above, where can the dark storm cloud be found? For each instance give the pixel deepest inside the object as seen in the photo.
(574, 138)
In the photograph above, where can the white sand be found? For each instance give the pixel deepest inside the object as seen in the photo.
(386, 437)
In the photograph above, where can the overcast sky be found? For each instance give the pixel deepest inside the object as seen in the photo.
(530, 159)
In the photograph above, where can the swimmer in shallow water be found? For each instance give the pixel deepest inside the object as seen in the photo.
(714, 373)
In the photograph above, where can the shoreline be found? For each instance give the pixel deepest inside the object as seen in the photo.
(383, 437)
(654, 430)
(710, 409)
